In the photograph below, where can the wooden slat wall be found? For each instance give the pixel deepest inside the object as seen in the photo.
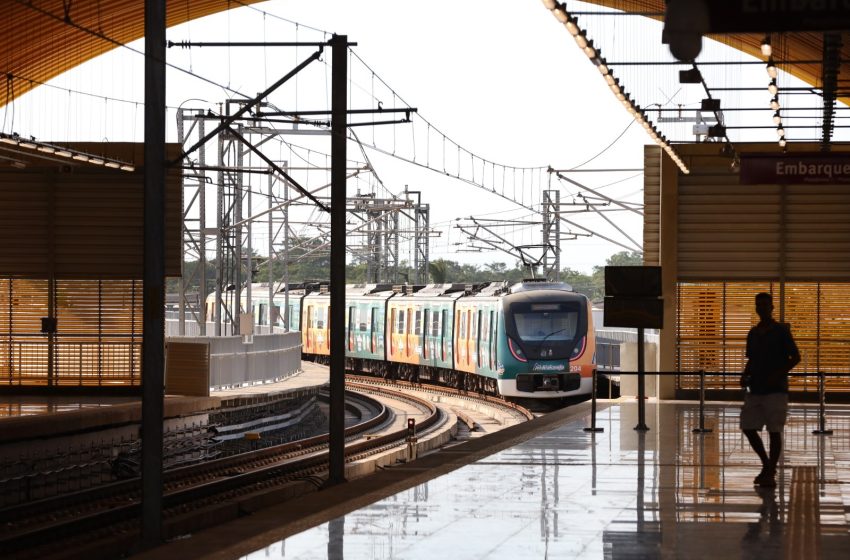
(727, 231)
(23, 225)
(23, 349)
(714, 318)
(187, 369)
(92, 215)
(734, 241)
(818, 232)
(651, 205)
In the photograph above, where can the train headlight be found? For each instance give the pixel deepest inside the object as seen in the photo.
(516, 351)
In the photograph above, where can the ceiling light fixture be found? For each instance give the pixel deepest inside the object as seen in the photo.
(581, 40)
(560, 12)
(772, 87)
(766, 50)
(777, 119)
(771, 68)
(15, 139)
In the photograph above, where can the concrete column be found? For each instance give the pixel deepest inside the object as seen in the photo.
(669, 260)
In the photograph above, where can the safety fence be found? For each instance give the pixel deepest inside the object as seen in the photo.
(820, 378)
(217, 363)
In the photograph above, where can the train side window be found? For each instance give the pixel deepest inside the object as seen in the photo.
(435, 323)
(261, 318)
(462, 321)
(400, 329)
(417, 323)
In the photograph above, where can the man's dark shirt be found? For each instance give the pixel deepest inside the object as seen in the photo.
(769, 347)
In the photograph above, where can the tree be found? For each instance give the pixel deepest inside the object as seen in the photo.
(625, 258)
(438, 270)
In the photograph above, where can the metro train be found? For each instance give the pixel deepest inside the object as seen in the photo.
(534, 339)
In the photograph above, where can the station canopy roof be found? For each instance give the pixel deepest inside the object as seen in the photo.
(794, 91)
(40, 39)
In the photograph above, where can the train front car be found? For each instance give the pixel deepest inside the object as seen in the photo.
(547, 350)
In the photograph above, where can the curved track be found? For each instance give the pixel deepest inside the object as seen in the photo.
(47, 526)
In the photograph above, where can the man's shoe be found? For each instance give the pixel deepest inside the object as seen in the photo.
(766, 479)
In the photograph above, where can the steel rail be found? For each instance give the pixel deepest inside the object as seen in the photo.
(311, 458)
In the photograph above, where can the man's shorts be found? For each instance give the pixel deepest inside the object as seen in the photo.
(764, 410)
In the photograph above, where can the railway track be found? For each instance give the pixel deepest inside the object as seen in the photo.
(47, 527)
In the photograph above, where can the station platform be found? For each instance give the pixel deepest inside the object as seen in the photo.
(549, 489)
(28, 418)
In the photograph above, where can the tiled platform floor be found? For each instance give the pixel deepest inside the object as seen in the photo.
(617, 494)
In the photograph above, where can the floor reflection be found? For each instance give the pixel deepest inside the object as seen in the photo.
(666, 493)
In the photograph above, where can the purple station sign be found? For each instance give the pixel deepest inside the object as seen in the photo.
(831, 168)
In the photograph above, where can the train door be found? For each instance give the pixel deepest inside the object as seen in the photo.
(444, 322)
(458, 338)
(392, 330)
(373, 330)
(399, 333)
(350, 328)
(471, 338)
(408, 334)
(308, 328)
(327, 324)
(483, 337)
(492, 340)
(418, 339)
(426, 327)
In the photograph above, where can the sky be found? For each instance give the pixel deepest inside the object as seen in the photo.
(502, 79)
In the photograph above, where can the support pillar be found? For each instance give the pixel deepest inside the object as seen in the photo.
(153, 321)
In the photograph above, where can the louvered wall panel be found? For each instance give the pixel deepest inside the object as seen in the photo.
(99, 332)
(712, 324)
(818, 232)
(5, 331)
(801, 314)
(727, 231)
(24, 303)
(99, 230)
(700, 333)
(91, 217)
(23, 225)
(651, 205)
(834, 332)
(714, 318)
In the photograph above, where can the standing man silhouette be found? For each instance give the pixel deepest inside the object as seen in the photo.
(771, 354)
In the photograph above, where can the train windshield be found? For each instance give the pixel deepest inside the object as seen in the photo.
(546, 322)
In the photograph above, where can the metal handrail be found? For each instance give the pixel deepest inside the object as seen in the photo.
(821, 375)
